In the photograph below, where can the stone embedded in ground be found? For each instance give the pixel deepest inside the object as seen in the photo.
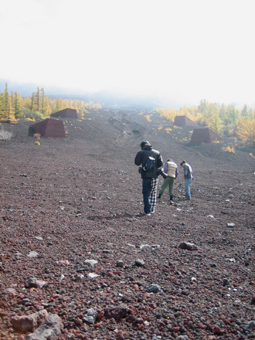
(28, 323)
(92, 276)
(90, 316)
(139, 262)
(225, 282)
(154, 288)
(34, 283)
(188, 246)
(120, 263)
(117, 313)
(90, 262)
(9, 291)
(32, 254)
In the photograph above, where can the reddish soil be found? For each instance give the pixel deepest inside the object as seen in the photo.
(79, 198)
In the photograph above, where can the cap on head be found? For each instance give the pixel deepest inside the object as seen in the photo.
(183, 162)
(144, 142)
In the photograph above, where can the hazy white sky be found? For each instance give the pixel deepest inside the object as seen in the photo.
(188, 50)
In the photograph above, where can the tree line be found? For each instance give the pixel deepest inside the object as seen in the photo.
(37, 106)
(226, 120)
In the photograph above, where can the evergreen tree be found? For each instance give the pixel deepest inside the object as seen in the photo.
(6, 108)
(37, 100)
(32, 103)
(18, 105)
(1, 104)
(43, 108)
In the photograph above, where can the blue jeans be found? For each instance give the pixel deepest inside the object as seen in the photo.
(187, 188)
(149, 194)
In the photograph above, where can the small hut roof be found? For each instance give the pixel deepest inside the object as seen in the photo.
(66, 113)
(48, 128)
(183, 121)
(205, 135)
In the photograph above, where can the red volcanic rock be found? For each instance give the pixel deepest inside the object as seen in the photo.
(28, 323)
(117, 313)
(217, 330)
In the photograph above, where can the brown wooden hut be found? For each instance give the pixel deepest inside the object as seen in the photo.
(183, 121)
(48, 128)
(66, 113)
(205, 135)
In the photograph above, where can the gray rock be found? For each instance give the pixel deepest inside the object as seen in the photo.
(90, 316)
(139, 262)
(251, 324)
(34, 283)
(89, 319)
(91, 262)
(120, 263)
(154, 288)
(182, 337)
(156, 337)
(188, 246)
(225, 282)
(50, 329)
(32, 254)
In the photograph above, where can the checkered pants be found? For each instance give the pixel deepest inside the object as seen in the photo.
(150, 194)
(153, 194)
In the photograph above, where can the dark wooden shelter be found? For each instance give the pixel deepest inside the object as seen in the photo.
(205, 135)
(66, 113)
(48, 128)
(183, 121)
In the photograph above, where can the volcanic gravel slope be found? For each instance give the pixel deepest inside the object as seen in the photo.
(80, 198)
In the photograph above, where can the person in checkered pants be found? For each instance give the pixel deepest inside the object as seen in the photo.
(149, 173)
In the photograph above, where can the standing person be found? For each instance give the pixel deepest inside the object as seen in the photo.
(150, 161)
(188, 177)
(171, 169)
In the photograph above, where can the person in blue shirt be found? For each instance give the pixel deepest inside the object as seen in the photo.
(188, 177)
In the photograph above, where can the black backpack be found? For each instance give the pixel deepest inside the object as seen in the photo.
(150, 164)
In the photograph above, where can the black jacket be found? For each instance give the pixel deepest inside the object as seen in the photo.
(141, 158)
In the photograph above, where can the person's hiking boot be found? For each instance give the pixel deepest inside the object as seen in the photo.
(159, 197)
(171, 197)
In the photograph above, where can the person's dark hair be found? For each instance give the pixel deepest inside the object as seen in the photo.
(183, 162)
(144, 142)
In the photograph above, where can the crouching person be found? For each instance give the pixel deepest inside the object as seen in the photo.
(171, 169)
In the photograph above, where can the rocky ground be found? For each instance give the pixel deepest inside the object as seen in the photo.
(79, 260)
